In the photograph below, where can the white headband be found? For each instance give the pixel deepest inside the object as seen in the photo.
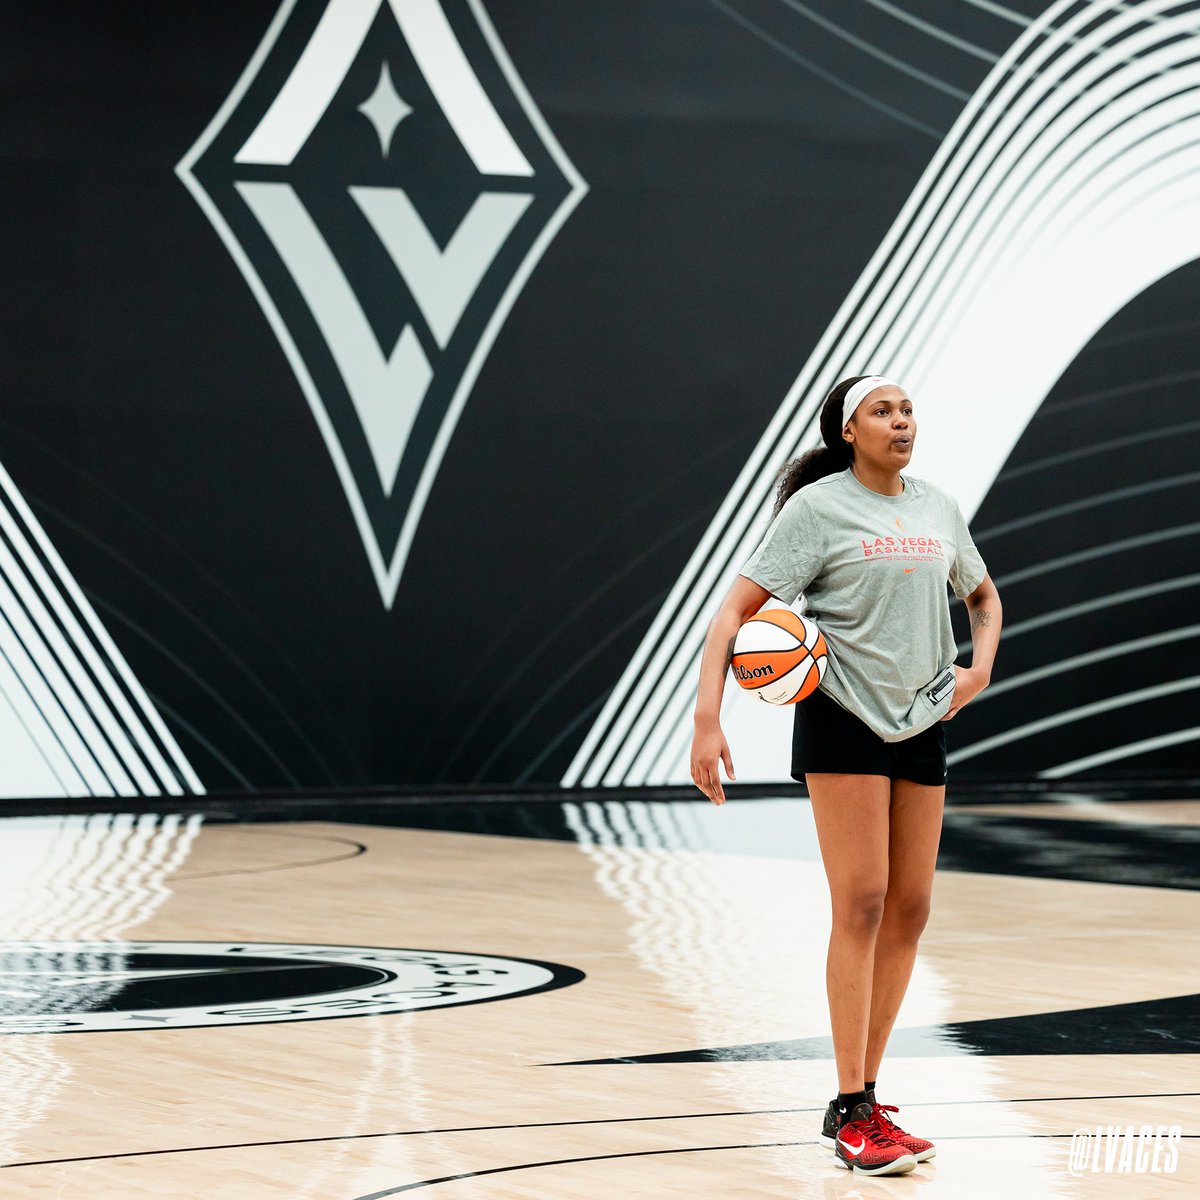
(860, 391)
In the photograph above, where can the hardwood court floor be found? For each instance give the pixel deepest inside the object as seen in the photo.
(700, 934)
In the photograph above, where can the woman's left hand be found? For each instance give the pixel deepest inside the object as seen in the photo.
(968, 683)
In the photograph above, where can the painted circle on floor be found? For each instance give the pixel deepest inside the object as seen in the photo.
(81, 987)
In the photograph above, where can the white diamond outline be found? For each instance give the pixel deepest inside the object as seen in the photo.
(387, 572)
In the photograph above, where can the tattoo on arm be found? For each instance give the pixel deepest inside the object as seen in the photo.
(729, 653)
(981, 619)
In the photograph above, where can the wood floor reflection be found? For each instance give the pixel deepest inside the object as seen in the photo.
(686, 937)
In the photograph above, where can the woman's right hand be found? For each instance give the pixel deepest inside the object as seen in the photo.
(709, 749)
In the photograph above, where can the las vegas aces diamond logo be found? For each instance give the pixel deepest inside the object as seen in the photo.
(386, 185)
(80, 987)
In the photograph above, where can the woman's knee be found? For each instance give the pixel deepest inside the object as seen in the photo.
(907, 915)
(860, 912)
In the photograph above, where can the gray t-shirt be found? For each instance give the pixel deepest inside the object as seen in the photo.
(873, 571)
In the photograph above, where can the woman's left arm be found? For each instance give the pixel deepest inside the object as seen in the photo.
(983, 605)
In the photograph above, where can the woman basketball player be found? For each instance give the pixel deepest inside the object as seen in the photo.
(872, 551)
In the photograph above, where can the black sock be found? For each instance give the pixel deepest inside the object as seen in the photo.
(847, 1100)
(870, 1088)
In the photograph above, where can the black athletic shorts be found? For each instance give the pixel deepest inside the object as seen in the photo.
(828, 739)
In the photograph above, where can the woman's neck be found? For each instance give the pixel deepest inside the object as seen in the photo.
(878, 479)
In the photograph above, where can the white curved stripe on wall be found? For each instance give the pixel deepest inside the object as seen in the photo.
(74, 721)
(1163, 741)
(1107, 602)
(1069, 716)
(1090, 658)
(1065, 189)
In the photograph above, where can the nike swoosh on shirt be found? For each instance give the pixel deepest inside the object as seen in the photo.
(909, 570)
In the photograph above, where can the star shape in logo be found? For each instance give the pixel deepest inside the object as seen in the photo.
(385, 109)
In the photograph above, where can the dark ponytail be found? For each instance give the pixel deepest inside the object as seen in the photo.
(829, 459)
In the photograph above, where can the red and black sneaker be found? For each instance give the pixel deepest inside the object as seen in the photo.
(863, 1147)
(832, 1123)
(919, 1148)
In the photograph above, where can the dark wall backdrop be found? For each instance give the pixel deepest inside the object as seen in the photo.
(743, 161)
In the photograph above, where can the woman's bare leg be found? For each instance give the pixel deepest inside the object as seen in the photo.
(851, 815)
(915, 830)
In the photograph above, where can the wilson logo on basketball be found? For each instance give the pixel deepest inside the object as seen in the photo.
(764, 672)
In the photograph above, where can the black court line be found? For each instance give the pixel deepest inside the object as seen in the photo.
(559, 1162)
(750, 1112)
(358, 849)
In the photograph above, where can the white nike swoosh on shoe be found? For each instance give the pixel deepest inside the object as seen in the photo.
(852, 1148)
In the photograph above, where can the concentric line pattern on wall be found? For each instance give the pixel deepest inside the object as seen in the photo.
(1068, 186)
(74, 721)
(1093, 530)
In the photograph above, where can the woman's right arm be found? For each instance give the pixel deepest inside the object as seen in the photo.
(709, 746)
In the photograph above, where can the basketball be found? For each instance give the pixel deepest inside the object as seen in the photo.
(779, 656)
